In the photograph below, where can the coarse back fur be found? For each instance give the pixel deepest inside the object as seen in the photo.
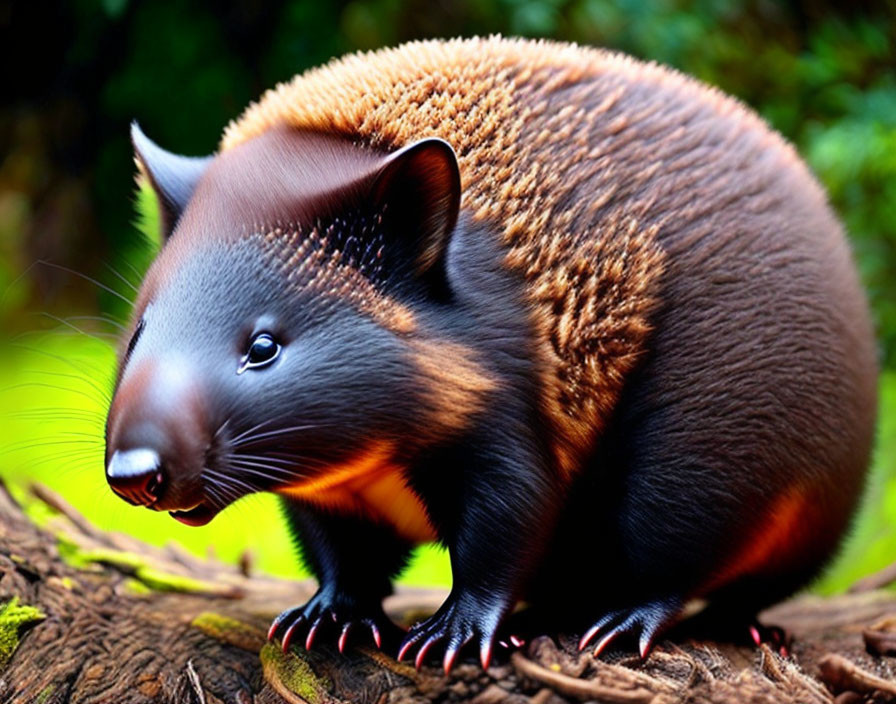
(583, 160)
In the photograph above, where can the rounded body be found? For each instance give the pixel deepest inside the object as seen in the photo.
(585, 321)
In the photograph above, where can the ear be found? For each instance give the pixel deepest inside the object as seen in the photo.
(419, 187)
(173, 177)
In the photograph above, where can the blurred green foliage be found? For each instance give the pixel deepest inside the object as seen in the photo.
(822, 73)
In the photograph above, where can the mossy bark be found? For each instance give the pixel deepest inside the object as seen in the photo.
(96, 617)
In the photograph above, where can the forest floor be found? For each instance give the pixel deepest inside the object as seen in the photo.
(99, 617)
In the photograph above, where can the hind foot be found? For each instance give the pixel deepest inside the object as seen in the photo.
(644, 622)
(773, 636)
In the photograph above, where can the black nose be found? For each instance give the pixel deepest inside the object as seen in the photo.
(136, 475)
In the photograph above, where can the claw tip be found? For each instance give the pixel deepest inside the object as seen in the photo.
(309, 641)
(421, 655)
(402, 651)
(754, 634)
(586, 638)
(607, 639)
(485, 656)
(448, 662)
(644, 648)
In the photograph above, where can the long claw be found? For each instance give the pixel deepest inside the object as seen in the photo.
(485, 653)
(375, 632)
(312, 632)
(421, 654)
(589, 635)
(287, 637)
(448, 661)
(597, 627)
(607, 639)
(645, 644)
(343, 637)
(406, 646)
(284, 617)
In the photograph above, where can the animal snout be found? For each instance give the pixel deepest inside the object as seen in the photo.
(136, 475)
(156, 435)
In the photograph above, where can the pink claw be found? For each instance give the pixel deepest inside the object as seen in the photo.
(645, 646)
(404, 649)
(517, 642)
(754, 634)
(343, 637)
(589, 634)
(421, 654)
(376, 635)
(607, 639)
(448, 662)
(485, 655)
(287, 637)
(272, 630)
(309, 641)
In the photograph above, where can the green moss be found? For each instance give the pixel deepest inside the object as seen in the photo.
(229, 630)
(75, 556)
(293, 673)
(64, 582)
(118, 558)
(72, 555)
(12, 617)
(132, 563)
(214, 624)
(44, 694)
(135, 586)
(167, 582)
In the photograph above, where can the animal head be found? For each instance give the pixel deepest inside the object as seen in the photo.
(273, 337)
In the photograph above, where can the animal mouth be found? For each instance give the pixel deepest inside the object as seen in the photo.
(199, 515)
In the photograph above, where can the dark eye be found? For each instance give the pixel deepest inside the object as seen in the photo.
(263, 349)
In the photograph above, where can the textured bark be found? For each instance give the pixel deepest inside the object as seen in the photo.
(126, 623)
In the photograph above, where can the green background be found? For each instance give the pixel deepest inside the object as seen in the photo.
(77, 72)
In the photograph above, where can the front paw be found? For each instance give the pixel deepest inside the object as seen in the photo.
(456, 623)
(328, 610)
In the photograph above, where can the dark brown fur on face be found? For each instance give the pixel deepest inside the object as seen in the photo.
(611, 350)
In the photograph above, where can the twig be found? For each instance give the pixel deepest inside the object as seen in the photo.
(582, 689)
(195, 682)
(880, 638)
(878, 580)
(842, 675)
(60, 505)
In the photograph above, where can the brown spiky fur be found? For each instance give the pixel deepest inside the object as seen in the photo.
(516, 112)
(608, 302)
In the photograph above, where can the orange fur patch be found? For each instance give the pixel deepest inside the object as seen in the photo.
(564, 150)
(781, 535)
(369, 485)
(454, 386)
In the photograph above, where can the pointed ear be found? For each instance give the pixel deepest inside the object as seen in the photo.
(419, 187)
(173, 177)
